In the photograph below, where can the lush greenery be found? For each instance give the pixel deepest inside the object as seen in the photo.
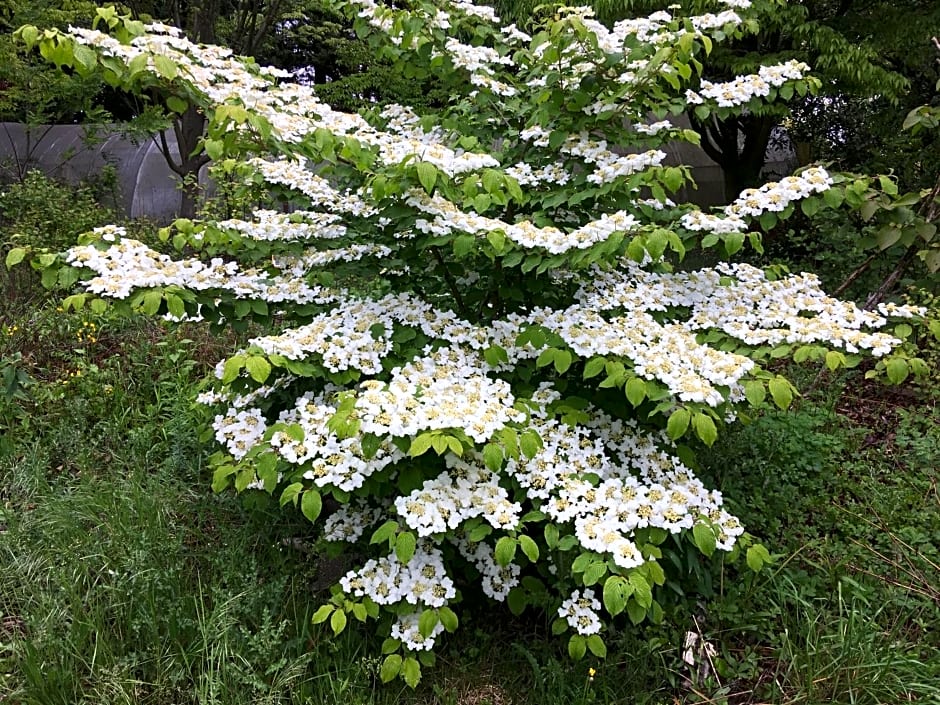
(497, 377)
(189, 597)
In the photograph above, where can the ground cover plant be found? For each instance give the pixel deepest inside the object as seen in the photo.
(480, 418)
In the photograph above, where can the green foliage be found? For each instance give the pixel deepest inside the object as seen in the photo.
(484, 401)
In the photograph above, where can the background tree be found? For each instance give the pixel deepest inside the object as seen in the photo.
(863, 50)
(31, 91)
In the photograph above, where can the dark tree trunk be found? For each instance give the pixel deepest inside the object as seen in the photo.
(187, 163)
(739, 146)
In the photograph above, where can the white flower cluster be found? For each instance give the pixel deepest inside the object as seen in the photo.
(772, 197)
(406, 630)
(448, 217)
(349, 522)
(269, 225)
(292, 111)
(580, 611)
(743, 89)
(445, 389)
(298, 265)
(421, 581)
(239, 430)
(497, 580)
(640, 484)
(463, 492)
(331, 461)
(129, 265)
(749, 307)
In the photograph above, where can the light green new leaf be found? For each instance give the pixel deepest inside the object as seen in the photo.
(311, 504)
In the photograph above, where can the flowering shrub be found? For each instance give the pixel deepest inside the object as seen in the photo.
(487, 355)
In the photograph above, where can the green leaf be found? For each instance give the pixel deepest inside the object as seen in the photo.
(754, 392)
(594, 367)
(411, 672)
(427, 175)
(781, 392)
(421, 444)
(529, 548)
(757, 557)
(448, 618)
(15, 256)
(705, 428)
(594, 573)
(635, 389)
(391, 667)
(338, 622)
(642, 590)
(678, 423)
(897, 369)
(562, 361)
(577, 647)
(176, 104)
(426, 622)
(384, 532)
(810, 206)
(636, 612)
(259, 368)
(596, 644)
(505, 550)
(493, 456)
(165, 66)
(704, 537)
(322, 614)
(616, 592)
(290, 493)
(311, 504)
(405, 546)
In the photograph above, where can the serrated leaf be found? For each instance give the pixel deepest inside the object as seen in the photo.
(635, 389)
(594, 573)
(551, 535)
(421, 445)
(597, 646)
(897, 369)
(754, 392)
(15, 256)
(176, 104)
(391, 667)
(757, 557)
(529, 548)
(493, 456)
(426, 622)
(705, 428)
(617, 591)
(165, 66)
(322, 614)
(448, 618)
(411, 672)
(311, 504)
(405, 546)
(636, 612)
(505, 550)
(517, 600)
(338, 622)
(427, 175)
(594, 367)
(577, 647)
(704, 537)
(384, 532)
(678, 423)
(642, 591)
(780, 392)
(258, 367)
